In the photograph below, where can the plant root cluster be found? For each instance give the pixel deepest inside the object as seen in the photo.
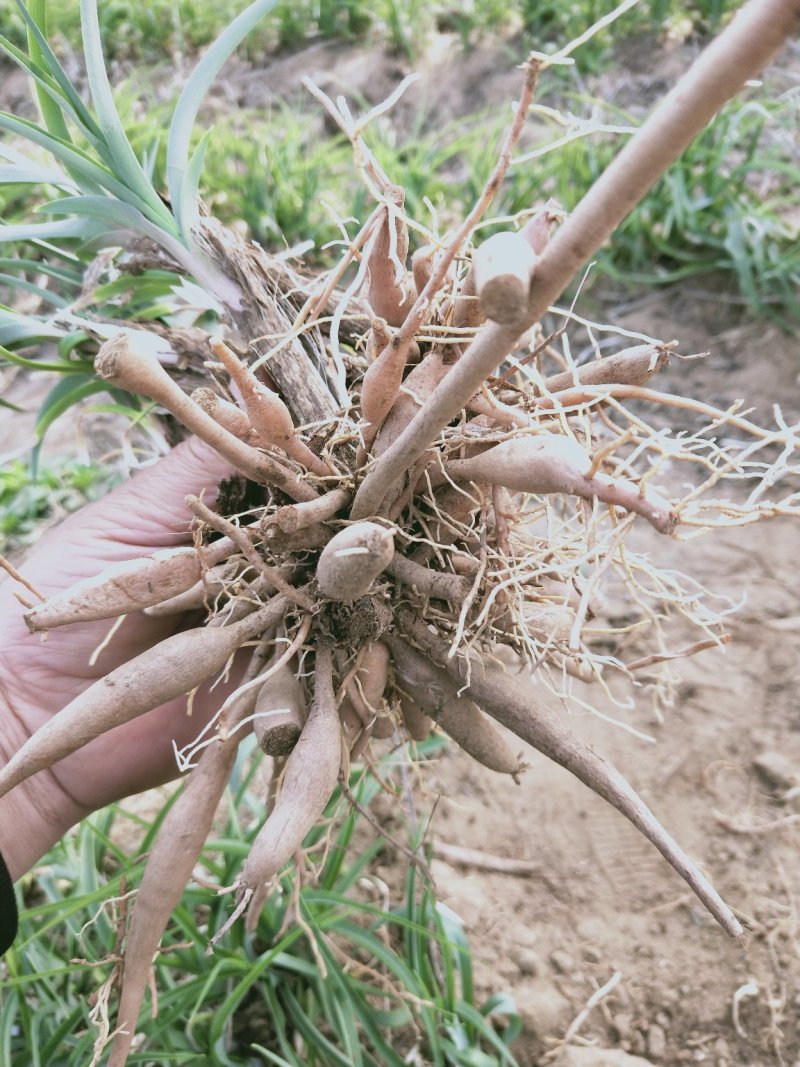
(437, 546)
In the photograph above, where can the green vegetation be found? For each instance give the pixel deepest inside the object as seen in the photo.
(722, 208)
(59, 488)
(362, 982)
(160, 29)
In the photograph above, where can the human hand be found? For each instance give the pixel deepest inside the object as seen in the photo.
(39, 677)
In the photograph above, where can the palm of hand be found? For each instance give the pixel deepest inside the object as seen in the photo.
(39, 677)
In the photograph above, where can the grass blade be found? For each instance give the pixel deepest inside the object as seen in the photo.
(186, 109)
(126, 164)
(33, 231)
(14, 174)
(64, 395)
(50, 109)
(49, 90)
(23, 285)
(66, 277)
(91, 175)
(56, 366)
(25, 329)
(58, 74)
(128, 218)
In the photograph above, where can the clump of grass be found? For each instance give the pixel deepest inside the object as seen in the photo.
(361, 978)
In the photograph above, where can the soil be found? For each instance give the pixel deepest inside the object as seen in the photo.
(723, 774)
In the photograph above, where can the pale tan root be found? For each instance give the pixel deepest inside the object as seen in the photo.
(353, 559)
(513, 705)
(429, 583)
(312, 770)
(233, 419)
(268, 414)
(271, 575)
(280, 712)
(631, 366)
(388, 294)
(366, 688)
(503, 267)
(174, 666)
(417, 723)
(435, 693)
(295, 517)
(210, 586)
(419, 385)
(553, 463)
(422, 267)
(119, 363)
(129, 586)
(177, 846)
(378, 338)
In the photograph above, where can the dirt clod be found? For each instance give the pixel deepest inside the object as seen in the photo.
(656, 1042)
(599, 1057)
(544, 1011)
(777, 769)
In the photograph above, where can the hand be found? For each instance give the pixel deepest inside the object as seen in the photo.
(39, 677)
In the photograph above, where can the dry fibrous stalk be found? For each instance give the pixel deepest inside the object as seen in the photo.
(433, 526)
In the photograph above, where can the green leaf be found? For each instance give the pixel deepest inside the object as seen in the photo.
(57, 366)
(22, 284)
(25, 329)
(51, 111)
(470, 1013)
(61, 274)
(58, 74)
(34, 231)
(183, 118)
(91, 175)
(10, 406)
(63, 396)
(107, 210)
(191, 187)
(51, 91)
(14, 174)
(126, 165)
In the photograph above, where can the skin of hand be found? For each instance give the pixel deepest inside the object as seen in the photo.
(40, 676)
